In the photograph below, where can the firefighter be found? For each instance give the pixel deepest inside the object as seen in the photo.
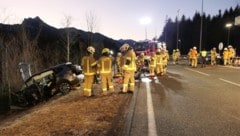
(213, 56)
(159, 62)
(88, 64)
(189, 57)
(140, 61)
(118, 63)
(104, 65)
(177, 56)
(129, 68)
(231, 54)
(174, 56)
(165, 60)
(203, 57)
(152, 64)
(225, 56)
(194, 56)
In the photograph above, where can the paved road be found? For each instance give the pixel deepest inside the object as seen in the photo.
(188, 102)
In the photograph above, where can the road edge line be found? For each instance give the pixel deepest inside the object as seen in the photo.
(230, 82)
(205, 74)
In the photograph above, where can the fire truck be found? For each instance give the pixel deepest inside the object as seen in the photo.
(147, 47)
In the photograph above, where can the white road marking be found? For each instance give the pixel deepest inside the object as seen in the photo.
(205, 74)
(152, 131)
(230, 82)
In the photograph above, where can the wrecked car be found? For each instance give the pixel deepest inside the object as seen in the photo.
(43, 85)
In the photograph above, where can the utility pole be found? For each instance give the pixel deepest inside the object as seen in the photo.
(177, 27)
(165, 32)
(200, 43)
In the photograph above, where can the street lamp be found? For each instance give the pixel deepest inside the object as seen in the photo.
(228, 25)
(177, 27)
(145, 21)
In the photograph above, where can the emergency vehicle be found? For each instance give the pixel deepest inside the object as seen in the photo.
(146, 46)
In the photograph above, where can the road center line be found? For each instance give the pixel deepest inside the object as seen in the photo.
(205, 74)
(152, 131)
(230, 82)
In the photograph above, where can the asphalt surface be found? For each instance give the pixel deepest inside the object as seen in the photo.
(188, 102)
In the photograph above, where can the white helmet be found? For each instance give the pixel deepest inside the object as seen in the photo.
(124, 47)
(225, 49)
(194, 47)
(229, 46)
(119, 54)
(91, 49)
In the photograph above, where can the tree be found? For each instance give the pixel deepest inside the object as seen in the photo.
(91, 20)
(67, 22)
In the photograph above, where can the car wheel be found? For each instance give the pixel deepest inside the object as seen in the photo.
(64, 87)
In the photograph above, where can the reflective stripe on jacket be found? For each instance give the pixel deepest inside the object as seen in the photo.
(105, 64)
(88, 62)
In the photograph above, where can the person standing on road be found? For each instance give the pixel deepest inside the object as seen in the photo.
(140, 61)
(104, 65)
(118, 63)
(88, 64)
(213, 56)
(203, 57)
(189, 57)
(177, 56)
(231, 54)
(152, 64)
(225, 56)
(159, 62)
(129, 68)
(165, 60)
(194, 56)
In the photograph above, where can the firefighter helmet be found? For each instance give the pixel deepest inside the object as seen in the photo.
(119, 54)
(225, 49)
(105, 50)
(91, 49)
(194, 47)
(229, 46)
(124, 47)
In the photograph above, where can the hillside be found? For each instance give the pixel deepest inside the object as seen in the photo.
(72, 114)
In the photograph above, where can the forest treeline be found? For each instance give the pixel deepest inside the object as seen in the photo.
(213, 31)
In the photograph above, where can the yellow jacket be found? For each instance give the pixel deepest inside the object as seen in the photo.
(131, 57)
(105, 64)
(225, 54)
(88, 63)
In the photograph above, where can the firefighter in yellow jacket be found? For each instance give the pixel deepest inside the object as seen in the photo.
(129, 68)
(213, 56)
(118, 63)
(225, 56)
(88, 63)
(140, 61)
(194, 56)
(159, 62)
(104, 65)
(165, 61)
(152, 64)
(231, 54)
